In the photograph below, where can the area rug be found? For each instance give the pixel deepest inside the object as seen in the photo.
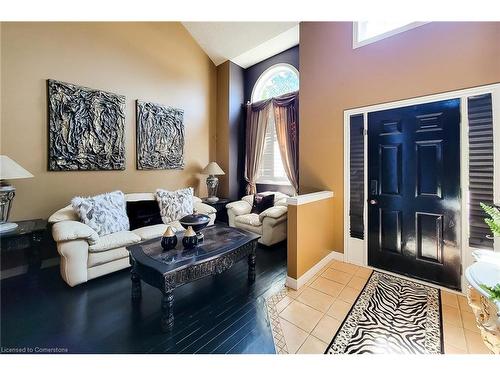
(393, 316)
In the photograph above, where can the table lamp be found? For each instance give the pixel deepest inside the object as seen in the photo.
(9, 170)
(212, 169)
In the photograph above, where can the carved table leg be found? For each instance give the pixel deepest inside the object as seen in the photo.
(167, 311)
(251, 266)
(136, 285)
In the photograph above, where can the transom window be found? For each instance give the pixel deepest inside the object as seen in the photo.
(277, 80)
(366, 32)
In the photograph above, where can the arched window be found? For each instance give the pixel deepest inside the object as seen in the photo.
(277, 80)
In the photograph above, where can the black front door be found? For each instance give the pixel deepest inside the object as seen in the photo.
(414, 191)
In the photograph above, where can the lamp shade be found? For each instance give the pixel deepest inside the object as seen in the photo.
(10, 170)
(212, 168)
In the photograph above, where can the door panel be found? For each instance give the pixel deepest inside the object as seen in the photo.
(429, 168)
(430, 237)
(390, 176)
(414, 185)
(390, 231)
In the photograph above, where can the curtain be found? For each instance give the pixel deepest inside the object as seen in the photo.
(286, 121)
(285, 110)
(257, 120)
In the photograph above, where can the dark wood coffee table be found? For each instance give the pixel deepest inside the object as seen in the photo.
(166, 270)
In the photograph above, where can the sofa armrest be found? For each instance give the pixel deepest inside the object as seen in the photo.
(239, 207)
(203, 208)
(73, 230)
(274, 212)
(64, 214)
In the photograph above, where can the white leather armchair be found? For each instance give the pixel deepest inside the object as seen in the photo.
(271, 224)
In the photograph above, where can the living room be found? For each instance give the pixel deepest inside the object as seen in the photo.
(163, 191)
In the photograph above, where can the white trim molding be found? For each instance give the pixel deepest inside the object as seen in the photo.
(356, 250)
(495, 105)
(309, 198)
(302, 280)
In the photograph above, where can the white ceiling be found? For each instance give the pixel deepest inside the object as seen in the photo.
(244, 43)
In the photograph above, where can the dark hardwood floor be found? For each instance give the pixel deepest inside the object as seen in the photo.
(221, 314)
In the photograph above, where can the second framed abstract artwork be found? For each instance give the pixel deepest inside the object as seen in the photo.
(160, 136)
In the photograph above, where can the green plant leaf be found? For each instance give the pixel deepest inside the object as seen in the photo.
(493, 221)
(493, 291)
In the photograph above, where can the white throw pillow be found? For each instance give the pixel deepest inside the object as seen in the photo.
(105, 213)
(174, 205)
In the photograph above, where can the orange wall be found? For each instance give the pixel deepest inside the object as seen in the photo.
(433, 58)
(158, 62)
(310, 238)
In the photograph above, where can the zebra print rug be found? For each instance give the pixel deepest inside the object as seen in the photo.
(391, 315)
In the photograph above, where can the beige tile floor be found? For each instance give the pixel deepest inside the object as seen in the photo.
(311, 316)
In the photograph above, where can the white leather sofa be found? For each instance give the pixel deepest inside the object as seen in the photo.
(85, 255)
(270, 224)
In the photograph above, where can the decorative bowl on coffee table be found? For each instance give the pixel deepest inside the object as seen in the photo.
(197, 222)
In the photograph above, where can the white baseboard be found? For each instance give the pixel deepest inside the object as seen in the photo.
(338, 256)
(302, 280)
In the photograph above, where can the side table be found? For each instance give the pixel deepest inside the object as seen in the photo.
(220, 206)
(23, 245)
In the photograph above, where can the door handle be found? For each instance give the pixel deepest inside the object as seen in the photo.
(373, 202)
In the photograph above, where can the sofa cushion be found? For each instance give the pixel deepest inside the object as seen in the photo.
(280, 202)
(262, 203)
(248, 219)
(114, 240)
(153, 231)
(104, 213)
(279, 198)
(174, 205)
(274, 212)
(143, 213)
(96, 259)
(251, 228)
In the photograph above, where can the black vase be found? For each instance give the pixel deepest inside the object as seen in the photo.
(190, 239)
(169, 239)
(197, 222)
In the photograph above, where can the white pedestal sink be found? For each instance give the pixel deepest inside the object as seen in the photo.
(486, 271)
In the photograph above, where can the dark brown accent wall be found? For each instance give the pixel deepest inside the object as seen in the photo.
(251, 75)
(236, 127)
(229, 127)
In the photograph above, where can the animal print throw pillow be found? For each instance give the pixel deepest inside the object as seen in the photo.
(105, 213)
(174, 205)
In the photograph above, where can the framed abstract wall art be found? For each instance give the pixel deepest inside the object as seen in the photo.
(86, 128)
(160, 136)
